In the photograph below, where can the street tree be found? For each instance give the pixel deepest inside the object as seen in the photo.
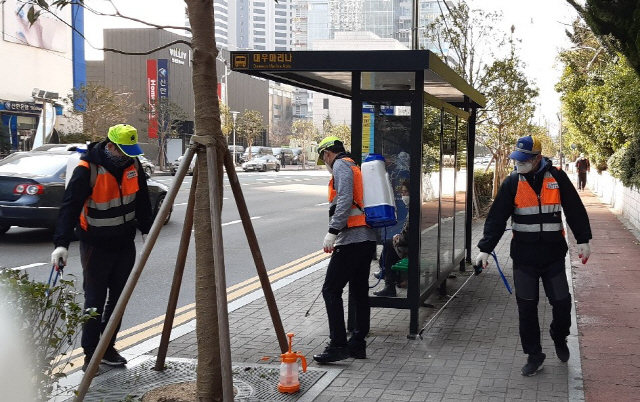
(341, 131)
(207, 120)
(250, 126)
(96, 108)
(227, 119)
(304, 132)
(614, 19)
(166, 121)
(600, 95)
(510, 106)
(280, 132)
(463, 37)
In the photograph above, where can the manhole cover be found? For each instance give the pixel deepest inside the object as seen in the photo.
(253, 382)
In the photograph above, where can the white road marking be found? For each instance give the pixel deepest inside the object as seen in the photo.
(234, 222)
(35, 264)
(321, 204)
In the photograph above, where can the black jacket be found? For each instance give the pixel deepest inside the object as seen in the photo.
(79, 189)
(540, 252)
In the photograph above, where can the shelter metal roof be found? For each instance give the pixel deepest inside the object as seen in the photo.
(330, 72)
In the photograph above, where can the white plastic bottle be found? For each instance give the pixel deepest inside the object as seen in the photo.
(72, 162)
(379, 203)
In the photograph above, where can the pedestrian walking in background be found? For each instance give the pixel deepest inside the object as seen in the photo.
(582, 167)
(107, 200)
(282, 158)
(352, 243)
(534, 197)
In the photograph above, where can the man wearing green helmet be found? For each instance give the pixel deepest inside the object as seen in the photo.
(352, 244)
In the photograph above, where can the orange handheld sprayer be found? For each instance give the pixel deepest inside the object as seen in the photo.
(289, 369)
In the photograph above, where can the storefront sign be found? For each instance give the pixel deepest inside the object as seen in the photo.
(163, 92)
(152, 97)
(270, 60)
(28, 107)
(178, 56)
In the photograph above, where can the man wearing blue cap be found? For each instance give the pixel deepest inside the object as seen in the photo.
(106, 201)
(534, 197)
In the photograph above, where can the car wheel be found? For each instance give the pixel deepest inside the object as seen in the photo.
(277, 168)
(173, 173)
(148, 170)
(158, 205)
(4, 228)
(264, 168)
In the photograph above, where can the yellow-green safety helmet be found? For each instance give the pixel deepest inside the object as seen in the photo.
(324, 144)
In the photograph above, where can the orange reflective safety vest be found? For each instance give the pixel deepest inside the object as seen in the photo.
(111, 205)
(356, 216)
(537, 217)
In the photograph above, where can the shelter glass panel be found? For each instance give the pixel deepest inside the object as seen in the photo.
(447, 189)
(430, 200)
(386, 127)
(461, 188)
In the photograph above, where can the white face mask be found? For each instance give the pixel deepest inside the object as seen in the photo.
(405, 199)
(523, 167)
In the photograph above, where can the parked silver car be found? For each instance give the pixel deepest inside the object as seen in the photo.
(262, 163)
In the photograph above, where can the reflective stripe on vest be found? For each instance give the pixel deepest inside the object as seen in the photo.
(356, 214)
(533, 214)
(110, 205)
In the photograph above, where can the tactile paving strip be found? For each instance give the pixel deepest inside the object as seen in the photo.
(252, 382)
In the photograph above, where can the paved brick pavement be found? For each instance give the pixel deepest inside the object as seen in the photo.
(472, 351)
(608, 304)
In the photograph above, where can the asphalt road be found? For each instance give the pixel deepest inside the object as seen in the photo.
(289, 214)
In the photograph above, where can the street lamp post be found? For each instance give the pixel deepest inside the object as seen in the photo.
(234, 115)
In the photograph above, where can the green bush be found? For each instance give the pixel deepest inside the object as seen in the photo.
(624, 164)
(483, 186)
(614, 163)
(48, 319)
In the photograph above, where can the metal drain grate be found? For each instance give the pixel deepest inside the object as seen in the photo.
(252, 382)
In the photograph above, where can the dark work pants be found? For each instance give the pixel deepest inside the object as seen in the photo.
(349, 264)
(105, 272)
(582, 180)
(556, 287)
(391, 258)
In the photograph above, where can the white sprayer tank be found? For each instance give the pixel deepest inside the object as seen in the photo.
(379, 202)
(72, 162)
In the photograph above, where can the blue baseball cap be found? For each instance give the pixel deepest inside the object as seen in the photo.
(526, 148)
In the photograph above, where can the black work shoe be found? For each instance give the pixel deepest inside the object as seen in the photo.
(562, 350)
(112, 358)
(357, 349)
(534, 364)
(332, 354)
(387, 291)
(87, 360)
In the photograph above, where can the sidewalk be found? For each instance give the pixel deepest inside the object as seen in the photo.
(471, 352)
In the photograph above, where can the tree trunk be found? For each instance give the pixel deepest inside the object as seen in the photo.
(207, 123)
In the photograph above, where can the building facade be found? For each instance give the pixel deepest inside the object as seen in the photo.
(41, 65)
(141, 77)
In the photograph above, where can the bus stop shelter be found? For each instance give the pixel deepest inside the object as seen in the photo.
(420, 115)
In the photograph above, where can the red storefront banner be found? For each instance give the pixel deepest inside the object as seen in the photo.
(152, 97)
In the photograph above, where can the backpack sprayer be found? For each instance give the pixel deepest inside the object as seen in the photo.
(379, 203)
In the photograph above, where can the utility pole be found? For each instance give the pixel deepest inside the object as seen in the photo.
(234, 114)
(415, 43)
(560, 147)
